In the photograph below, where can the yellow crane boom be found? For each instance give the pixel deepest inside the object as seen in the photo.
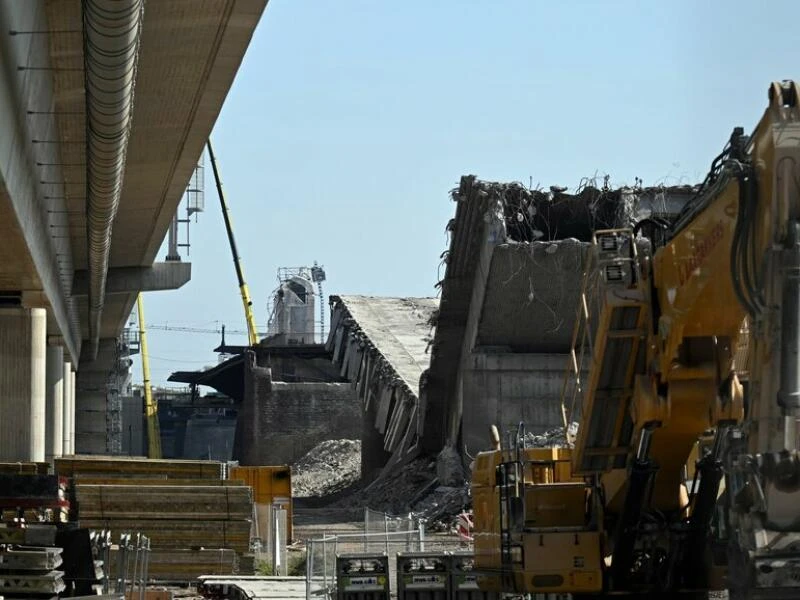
(252, 332)
(150, 405)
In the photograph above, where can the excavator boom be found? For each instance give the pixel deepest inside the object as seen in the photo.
(691, 332)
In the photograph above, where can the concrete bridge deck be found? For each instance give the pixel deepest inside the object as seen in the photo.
(104, 111)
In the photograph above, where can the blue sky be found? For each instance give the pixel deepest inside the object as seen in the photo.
(349, 122)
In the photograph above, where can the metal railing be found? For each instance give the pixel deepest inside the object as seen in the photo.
(133, 548)
(322, 552)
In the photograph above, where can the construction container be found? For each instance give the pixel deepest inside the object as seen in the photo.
(463, 579)
(423, 576)
(362, 577)
(272, 490)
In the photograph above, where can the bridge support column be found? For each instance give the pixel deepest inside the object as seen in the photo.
(68, 435)
(23, 343)
(54, 427)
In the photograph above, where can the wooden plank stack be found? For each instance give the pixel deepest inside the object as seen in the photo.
(198, 523)
(24, 467)
(123, 466)
(178, 566)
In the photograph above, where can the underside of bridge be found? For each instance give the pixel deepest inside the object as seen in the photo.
(104, 110)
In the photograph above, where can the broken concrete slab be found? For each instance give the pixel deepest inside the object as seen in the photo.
(511, 287)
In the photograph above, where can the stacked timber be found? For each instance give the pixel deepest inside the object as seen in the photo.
(198, 523)
(123, 467)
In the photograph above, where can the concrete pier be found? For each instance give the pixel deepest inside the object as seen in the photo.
(68, 436)
(23, 342)
(54, 408)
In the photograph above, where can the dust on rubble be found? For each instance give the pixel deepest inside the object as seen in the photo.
(329, 467)
(331, 473)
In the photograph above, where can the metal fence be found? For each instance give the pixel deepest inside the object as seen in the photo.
(382, 523)
(321, 555)
(270, 546)
(383, 534)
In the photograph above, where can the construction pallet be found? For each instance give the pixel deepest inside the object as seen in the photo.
(177, 565)
(29, 558)
(155, 480)
(33, 534)
(25, 467)
(139, 467)
(46, 583)
(163, 502)
(181, 533)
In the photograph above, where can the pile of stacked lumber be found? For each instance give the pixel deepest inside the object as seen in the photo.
(198, 522)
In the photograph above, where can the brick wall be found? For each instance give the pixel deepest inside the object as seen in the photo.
(279, 422)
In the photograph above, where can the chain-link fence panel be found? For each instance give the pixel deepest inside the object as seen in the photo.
(322, 552)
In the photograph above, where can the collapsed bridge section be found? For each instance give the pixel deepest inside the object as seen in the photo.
(509, 298)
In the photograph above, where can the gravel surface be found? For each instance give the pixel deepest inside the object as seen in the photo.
(327, 468)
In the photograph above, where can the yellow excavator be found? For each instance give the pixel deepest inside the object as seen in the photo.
(684, 475)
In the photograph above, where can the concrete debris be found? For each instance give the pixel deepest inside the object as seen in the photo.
(553, 438)
(529, 215)
(329, 467)
(450, 468)
(395, 492)
(439, 509)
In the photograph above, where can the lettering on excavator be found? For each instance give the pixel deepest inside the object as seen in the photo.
(702, 249)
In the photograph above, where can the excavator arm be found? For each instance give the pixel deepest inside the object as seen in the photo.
(684, 297)
(686, 348)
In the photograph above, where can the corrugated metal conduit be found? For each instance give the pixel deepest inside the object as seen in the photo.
(111, 36)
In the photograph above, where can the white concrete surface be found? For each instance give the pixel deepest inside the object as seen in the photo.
(54, 426)
(23, 342)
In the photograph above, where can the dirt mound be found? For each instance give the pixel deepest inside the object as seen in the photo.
(327, 468)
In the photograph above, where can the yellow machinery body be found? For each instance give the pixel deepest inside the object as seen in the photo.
(557, 551)
(677, 468)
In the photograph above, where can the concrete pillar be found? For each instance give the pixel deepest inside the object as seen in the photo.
(54, 440)
(72, 413)
(68, 407)
(23, 343)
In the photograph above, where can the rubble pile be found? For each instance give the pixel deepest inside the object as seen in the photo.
(438, 509)
(395, 492)
(553, 438)
(329, 467)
